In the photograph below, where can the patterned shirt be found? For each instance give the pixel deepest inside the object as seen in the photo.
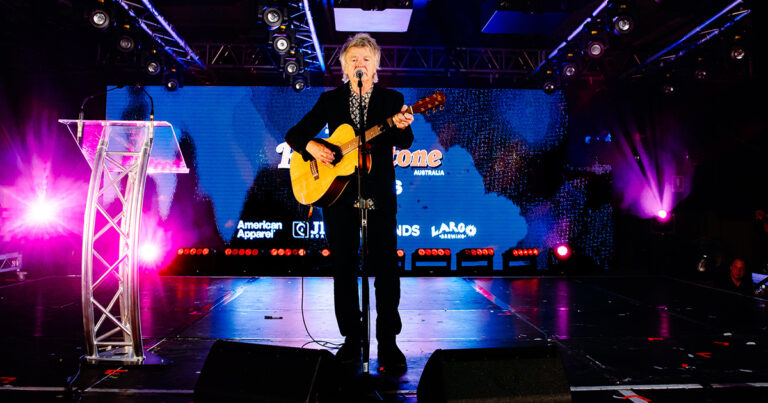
(354, 104)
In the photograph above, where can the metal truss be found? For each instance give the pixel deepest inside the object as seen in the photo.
(12, 262)
(394, 59)
(306, 36)
(237, 56)
(430, 59)
(161, 32)
(710, 28)
(110, 291)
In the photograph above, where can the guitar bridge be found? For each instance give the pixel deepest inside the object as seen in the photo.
(313, 169)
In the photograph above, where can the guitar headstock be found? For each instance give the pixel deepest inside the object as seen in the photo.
(431, 102)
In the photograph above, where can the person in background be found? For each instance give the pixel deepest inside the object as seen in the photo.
(737, 278)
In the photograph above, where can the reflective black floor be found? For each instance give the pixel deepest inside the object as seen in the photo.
(630, 338)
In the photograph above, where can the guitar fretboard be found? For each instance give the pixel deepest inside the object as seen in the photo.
(374, 131)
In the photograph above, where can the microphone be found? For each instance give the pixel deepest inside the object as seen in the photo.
(151, 112)
(81, 115)
(359, 72)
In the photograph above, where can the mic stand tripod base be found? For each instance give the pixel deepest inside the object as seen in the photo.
(368, 387)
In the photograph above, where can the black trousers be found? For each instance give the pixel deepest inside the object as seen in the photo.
(342, 228)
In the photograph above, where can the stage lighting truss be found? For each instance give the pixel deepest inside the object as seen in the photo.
(414, 60)
(12, 262)
(713, 26)
(475, 261)
(431, 262)
(162, 33)
(517, 260)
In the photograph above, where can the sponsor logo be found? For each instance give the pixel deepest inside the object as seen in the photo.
(452, 230)
(408, 230)
(257, 229)
(424, 162)
(310, 230)
(285, 152)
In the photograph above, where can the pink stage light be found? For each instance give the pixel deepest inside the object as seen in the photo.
(149, 253)
(662, 215)
(42, 211)
(562, 252)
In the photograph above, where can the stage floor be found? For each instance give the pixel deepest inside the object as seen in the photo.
(633, 338)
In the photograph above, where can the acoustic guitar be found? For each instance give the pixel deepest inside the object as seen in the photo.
(321, 185)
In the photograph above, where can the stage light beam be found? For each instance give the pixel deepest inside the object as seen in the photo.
(149, 253)
(41, 211)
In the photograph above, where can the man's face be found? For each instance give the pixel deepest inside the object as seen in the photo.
(737, 269)
(360, 57)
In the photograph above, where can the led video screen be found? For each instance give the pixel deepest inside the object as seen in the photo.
(487, 171)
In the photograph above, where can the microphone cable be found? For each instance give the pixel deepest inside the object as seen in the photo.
(321, 343)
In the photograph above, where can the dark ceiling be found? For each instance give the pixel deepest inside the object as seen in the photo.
(60, 30)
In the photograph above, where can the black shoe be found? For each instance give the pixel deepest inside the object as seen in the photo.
(391, 360)
(350, 353)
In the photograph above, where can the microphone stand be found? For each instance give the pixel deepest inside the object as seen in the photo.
(364, 205)
(81, 114)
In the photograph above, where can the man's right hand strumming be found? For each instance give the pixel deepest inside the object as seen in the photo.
(321, 153)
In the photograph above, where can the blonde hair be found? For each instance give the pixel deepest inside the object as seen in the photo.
(361, 40)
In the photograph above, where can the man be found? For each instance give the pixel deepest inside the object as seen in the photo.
(342, 219)
(738, 279)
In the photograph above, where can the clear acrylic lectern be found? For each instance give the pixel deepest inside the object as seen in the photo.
(121, 154)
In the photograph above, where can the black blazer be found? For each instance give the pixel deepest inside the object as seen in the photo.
(332, 108)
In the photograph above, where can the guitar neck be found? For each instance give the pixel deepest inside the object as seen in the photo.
(370, 134)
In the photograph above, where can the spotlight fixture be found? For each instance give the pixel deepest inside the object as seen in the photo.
(100, 18)
(153, 67)
(569, 69)
(549, 86)
(549, 81)
(172, 79)
(291, 67)
(282, 39)
(623, 24)
(738, 52)
(596, 42)
(595, 48)
(172, 84)
(272, 16)
(126, 43)
(700, 71)
(292, 63)
(151, 62)
(298, 83)
(668, 84)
